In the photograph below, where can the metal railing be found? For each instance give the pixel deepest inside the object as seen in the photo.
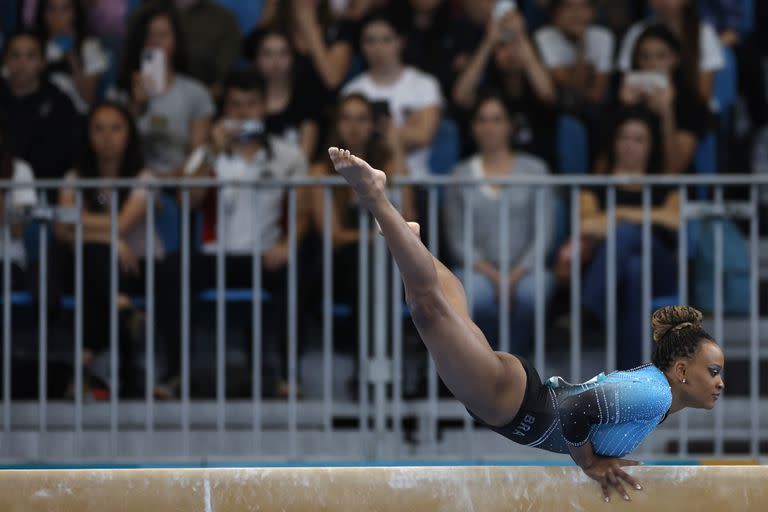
(296, 428)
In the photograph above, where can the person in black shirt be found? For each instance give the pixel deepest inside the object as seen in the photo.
(634, 147)
(506, 62)
(289, 114)
(684, 117)
(45, 124)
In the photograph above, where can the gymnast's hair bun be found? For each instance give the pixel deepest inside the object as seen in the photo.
(674, 319)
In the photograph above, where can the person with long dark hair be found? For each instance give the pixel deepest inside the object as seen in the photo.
(668, 90)
(507, 62)
(701, 54)
(173, 116)
(76, 61)
(354, 126)
(324, 44)
(113, 150)
(633, 147)
(290, 114)
(493, 129)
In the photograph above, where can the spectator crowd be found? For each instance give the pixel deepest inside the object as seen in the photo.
(180, 89)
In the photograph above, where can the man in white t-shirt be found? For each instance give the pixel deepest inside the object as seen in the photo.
(253, 219)
(577, 53)
(410, 98)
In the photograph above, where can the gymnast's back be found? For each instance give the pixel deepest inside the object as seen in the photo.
(615, 411)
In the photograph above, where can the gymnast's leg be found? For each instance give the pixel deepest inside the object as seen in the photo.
(491, 384)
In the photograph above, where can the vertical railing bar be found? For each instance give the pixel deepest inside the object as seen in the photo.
(575, 284)
(754, 322)
(682, 276)
(718, 312)
(221, 239)
(185, 319)
(6, 325)
(78, 322)
(363, 326)
(43, 334)
(504, 302)
(540, 299)
(327, 314)
(610, 303)
(256, 329)
(292, 327)
(432, 407)
(114, 341)
(149, 325)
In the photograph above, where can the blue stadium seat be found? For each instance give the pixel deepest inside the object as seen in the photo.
(572, 145)
(705, 161)
(248, 12)
(445, 148)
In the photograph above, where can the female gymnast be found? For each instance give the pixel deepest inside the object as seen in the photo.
(596, 422)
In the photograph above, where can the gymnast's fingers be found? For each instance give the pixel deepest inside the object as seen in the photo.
(617, 485)
(631, 481)
(627, 462)
(606, 492)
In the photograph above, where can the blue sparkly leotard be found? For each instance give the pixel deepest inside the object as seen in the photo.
(615, 411)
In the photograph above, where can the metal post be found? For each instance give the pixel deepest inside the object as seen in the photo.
(575, 284)
(718, 306)
(185, 320)
(682, 277)
(610, 303)
(114, 333)
(327, 314)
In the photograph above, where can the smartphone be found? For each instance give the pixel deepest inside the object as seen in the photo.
(502, 7)
(648, 81)
(65, 42)
(250, 130)
(153, 70)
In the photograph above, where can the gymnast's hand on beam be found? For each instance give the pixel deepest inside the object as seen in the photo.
(607, 471)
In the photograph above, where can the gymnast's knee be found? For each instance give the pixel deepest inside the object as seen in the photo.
(427, 304)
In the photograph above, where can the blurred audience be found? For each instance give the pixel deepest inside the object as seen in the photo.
(289, 113)
(76, 61)
(402, 95)
(659, 80)
(633, 147)
(211, 37)
(493, 125)
(241, 150)
(701, 54)
(113, 150)
(173, 110)
(46, 126)
(507, 62)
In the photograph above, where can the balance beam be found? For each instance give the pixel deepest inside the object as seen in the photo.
(380, 489)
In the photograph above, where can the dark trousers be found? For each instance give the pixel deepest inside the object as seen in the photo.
(629, 282)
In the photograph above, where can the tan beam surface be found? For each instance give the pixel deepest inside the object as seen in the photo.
(383, 489)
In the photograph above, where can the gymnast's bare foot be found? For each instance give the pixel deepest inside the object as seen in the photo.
(365, 180)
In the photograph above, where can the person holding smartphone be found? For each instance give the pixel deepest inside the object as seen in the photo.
(173, 110)
(76, 61)
(659, 81)
(241, 149)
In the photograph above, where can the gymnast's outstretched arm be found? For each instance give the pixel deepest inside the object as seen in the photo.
(490, 384)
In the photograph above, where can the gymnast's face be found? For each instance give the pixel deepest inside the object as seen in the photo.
(704, 376)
